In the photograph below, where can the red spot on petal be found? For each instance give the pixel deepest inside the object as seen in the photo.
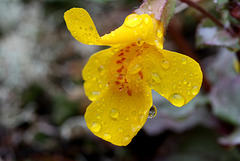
(121, 50)
(117, 83)
(127, 50)
(129, 92)
(140, 74)
(123, 59)
(133, 44)
(121, 54)
(120, 70)
(120, 77)
(119, 62)
(128, 47)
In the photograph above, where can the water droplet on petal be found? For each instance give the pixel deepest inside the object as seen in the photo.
(177, 99)
(194, 90)
(146, 20)
(101, 68)
(107, 136)
(133, 69)
(152, 112)
(120, 130)
(185, 81)
(156, 78)
(184, 61)
(134, 113)
(126, 118)
(159, 34)
(140, 43)
(132, 20)
(98, 116)
(126, 140)
(96, 127)
(114, 113)
(165, 64)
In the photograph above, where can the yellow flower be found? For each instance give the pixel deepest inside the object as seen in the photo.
(119, 80)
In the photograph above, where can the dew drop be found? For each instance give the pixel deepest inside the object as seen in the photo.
(146, 20)
(174, 86)
(156, 78)
(96, 127)
(159, 34)
(112, 34)
(177, 100)
(120, 130)
(114, 113)
(140, 43)
(194, 90)
(184, 61)
(125, 140)
(101, 68)
(132, 20)
(133, 69)
(165, 64)
(107, 136)
(98, 117)
(152, 112)
(185, 81)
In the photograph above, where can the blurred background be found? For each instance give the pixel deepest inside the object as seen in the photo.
(42, 100)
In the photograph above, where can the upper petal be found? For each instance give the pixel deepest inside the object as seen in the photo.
(81, 26)
(176, 77)
(95, 73)
(117, 116)
(137, 28)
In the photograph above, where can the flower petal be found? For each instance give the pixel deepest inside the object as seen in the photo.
(176, 77)
(137, 28)
(117, 116)
(81, 26)
(94, 73)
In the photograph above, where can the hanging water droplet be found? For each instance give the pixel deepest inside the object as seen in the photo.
(156, 78)
(165, 64)
(132, 20)
(177, 99)
(146, 20)
(114, 113)
(184, 61)
(120, 130)
(152, 112)
(107, 136)
(194, 90)
(126, 140)
(96, 127)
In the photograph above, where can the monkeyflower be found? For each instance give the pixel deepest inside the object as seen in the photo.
(119, 79)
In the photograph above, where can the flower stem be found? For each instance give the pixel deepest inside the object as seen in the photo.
(204, 12)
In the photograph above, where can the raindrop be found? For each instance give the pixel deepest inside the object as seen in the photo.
(152, 112)
(120, 130)
(133, 69)
(133, 20)
(101, 68)
(184, 61)
(159, 34)
(140, 43)
(156, 78)
(107, 136)
(126, 140)
(146, 20)
(96, 127)
(177, 100)
(165, 64)
(194, 90)
(114, 113)
(185, 81)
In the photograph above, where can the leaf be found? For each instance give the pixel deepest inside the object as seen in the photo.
(208, 34)
(225, 100)
(162, 9)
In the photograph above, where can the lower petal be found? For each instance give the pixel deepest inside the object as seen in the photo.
(117, 116)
